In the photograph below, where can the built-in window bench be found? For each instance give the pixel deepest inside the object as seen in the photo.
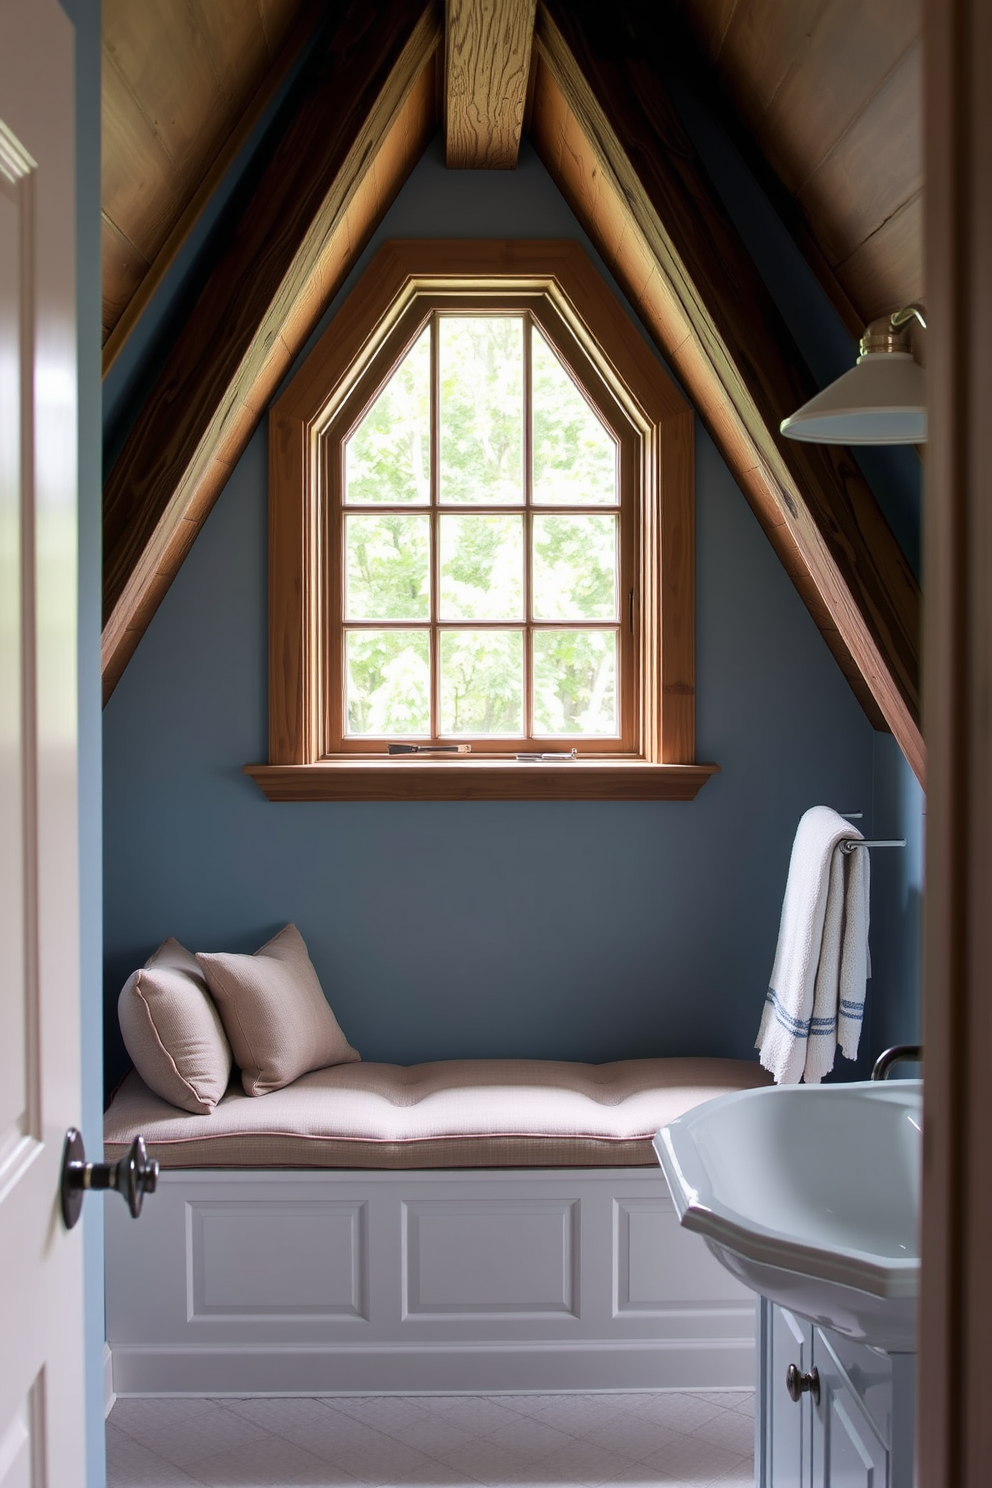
(467, 1225)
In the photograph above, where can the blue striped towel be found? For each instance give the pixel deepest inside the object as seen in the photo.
(817, 993)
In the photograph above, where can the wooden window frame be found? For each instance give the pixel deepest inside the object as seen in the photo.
(576, 311)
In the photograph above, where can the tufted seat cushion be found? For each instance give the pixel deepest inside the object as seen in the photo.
(457, 1113)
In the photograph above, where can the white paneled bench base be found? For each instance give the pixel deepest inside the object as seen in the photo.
(358, 1282)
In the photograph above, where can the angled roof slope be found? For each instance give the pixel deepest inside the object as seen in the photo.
(362, 115)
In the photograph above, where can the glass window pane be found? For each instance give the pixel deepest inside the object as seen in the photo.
(481, 414)
(482, 564)
(387, 576)
(575, 456)
(575, 682)
(388, 682)
(388, 458)
(482, 682)
(575, 568)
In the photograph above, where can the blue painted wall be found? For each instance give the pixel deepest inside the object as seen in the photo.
(577, 930)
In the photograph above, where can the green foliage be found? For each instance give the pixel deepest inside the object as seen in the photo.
(575, 567)
(575, 682)
(481, 376)
(482, 568)
(388, 458)
(482, 682)
(575, 457)
(389, 681)
(388, 568)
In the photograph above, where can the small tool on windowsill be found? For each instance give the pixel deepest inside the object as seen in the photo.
(533, 759)
(428, 749)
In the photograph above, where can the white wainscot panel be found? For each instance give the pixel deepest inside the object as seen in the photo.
(476, 1258)
(278, 1259)
(659, 1265)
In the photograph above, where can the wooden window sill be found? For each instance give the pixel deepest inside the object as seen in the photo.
(480, 780)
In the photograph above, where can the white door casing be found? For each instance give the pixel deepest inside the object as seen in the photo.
(41, 1280)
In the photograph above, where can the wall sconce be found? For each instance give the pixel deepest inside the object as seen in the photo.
(882, 400)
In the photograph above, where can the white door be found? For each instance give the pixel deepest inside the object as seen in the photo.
(41, 1305)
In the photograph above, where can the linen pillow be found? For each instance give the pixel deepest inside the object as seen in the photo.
(173, 1032)
(276, 1016)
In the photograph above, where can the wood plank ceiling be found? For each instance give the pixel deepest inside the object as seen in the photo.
(850, 179)
(831, 94)
(183, 83)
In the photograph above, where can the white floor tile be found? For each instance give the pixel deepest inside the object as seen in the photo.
(202, 1436)
(636, 1440)
(436, 1435)
(281, 1414)
(486, 1462)
(270, 1463)
(131, 1465)
(135, 1415)
(481, 1413)
(688, 1459)
(531, 1438)
(731, 1430)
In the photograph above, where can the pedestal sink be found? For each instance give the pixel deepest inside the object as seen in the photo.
(810, 1195)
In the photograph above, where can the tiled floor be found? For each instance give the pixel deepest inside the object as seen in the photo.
(434, 1440)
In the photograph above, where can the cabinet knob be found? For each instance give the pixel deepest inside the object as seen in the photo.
(799, 1384)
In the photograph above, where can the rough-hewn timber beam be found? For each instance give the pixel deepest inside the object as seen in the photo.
(364, 109)
(649, 206)
(487, 65)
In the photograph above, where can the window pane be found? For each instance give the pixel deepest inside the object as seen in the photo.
(388, 682)
(575, 457)
(481, 376)
(482, 563)
(388, 458)
(575, 682)
(388, 568)
(482, 682)
(575, 568)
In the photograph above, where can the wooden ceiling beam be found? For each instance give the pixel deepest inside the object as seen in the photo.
(487, 67)
(363, 111)
(650, 208)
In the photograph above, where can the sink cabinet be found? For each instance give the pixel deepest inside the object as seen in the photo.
(859, 1434)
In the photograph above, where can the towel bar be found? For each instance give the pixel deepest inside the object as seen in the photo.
(848, 844)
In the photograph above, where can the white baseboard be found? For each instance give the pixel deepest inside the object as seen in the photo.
(108, 1381)
(713, 1364)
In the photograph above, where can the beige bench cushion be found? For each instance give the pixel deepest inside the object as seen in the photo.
(458, 1113)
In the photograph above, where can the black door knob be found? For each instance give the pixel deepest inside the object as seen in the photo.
(135, 1175)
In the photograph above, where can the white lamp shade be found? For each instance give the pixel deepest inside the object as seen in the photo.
(882, 400)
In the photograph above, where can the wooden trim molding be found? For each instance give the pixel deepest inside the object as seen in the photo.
(487, 50)
(954, 1421)
(402, 277)
(365, 107)
(480, 780)
(615, 146)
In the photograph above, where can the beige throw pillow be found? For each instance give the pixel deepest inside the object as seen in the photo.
(275, 1014)
(173, 1032)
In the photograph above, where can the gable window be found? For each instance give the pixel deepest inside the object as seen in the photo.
(481, 542)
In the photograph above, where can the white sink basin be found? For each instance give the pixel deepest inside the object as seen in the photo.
(810, 1195)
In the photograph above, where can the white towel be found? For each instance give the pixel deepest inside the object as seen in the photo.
(817, 990)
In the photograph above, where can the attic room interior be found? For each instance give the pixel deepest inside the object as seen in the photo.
(479, 699)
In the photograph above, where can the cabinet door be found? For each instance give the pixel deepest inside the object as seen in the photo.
(847, 1450)
(785, 1452)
